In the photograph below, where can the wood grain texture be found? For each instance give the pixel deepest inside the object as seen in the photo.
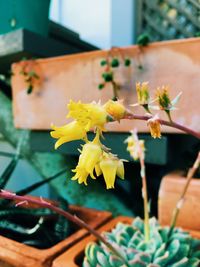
(174, 63)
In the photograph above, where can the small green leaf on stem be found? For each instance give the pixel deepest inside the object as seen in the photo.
(127, 62)
(29, 89)
(103, 62)
(115, 63)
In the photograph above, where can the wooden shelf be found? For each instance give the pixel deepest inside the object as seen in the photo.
(22, 43)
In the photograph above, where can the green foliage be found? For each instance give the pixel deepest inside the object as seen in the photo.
(107, 76)
(127, 62)
(29, 89)
(101, 86)
(143, 39)
(103, 62)
(115, 63)
(178, 250)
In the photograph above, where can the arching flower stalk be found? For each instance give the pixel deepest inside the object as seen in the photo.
(96, 159)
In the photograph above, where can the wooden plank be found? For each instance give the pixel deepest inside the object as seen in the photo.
(22, 43)
(173, 63)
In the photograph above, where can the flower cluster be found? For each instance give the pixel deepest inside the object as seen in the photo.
(164, 104)
(95, 159)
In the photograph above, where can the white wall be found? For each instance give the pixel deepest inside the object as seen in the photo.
(104, 23)
(90, 18)
(122, 22)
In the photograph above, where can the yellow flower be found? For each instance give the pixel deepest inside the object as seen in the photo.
(111, 167)
(98, 169)
(120, 169)
(135, 146)
(115, 109)
(142, 93)
(163, 98)
(90, 156)
(109, 170)
(81, 175)
(88, 115)
(69, 132)
(154, 126)
(164, 101)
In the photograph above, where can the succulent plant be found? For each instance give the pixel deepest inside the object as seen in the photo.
(178, 250)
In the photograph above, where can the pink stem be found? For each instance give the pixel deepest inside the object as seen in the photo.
(172, 124)
(73, 218)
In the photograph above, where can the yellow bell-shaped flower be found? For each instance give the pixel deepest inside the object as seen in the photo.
(69, 132)
(154, 126)
(89, 115)
(98, 115)
(89, 157)
(109, 169)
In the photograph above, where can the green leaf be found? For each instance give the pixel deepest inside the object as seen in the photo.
(29, 89)
(143, 39)
(103, 62)
(162, 260)
(115, 63)
(127, 62)
(6, 175)
(102, 259)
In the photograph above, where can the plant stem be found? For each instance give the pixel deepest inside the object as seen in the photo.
(129, 115)
(181, 200)
(73, 218)
(115, 90)
(141, 155)
(145, 199)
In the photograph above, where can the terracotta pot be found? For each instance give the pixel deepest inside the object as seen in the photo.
(169, 193)
(15, 254)
(77, 77)
(74, 256)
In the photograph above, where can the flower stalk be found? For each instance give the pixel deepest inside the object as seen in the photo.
(129, 115)
(181, 200)
(73, 218)
(145, 200)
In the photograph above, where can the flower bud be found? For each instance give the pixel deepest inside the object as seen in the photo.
(115, 109)
(154, 126)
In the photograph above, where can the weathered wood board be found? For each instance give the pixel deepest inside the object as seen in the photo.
(76, 77)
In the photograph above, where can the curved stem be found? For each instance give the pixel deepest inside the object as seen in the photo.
(73, 218)
(129, 115)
